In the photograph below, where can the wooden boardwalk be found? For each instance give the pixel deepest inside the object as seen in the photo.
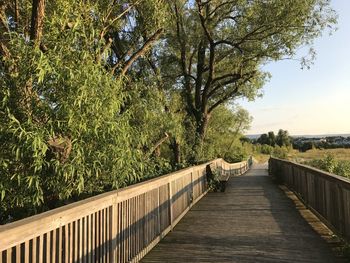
(253, 221)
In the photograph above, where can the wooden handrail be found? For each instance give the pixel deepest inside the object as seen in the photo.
(117, 226)
(326, 194)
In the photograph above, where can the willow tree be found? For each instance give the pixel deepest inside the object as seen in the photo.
(225, 128)
(216, 48)
(66, 89)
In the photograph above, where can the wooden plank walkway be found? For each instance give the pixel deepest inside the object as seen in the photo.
(253, 221)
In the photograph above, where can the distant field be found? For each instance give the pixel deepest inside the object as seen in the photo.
(301, 157)
(339, 154)
(261, 158)
(335, 161)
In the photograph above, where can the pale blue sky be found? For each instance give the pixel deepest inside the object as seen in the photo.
(314, 101)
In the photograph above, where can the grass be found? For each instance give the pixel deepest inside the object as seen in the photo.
(335, 161)
(340, 154)
(261, 158)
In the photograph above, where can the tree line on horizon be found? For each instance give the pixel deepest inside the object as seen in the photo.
(283, 139)
(97, 95)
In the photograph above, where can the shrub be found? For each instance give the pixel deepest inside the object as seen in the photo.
(214, 183)
(330, 164)
(264, 148)
(280, 152)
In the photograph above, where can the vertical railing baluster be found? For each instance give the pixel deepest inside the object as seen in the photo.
(26, 252)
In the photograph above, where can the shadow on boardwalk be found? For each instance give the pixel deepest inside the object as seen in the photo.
(253, 221)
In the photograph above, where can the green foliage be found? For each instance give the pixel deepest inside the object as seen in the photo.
(214, 51)
(282, 138)
(214, 183)
(271, 138)
(264, 149)
(306, 146)
(330, 164)
(263, 139)
(224, 131)
(280, 152)
(276, 151)
(239, 152)
(91, 106)
(69, 126)
(342, 168)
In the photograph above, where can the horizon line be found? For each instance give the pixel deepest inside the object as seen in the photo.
(300, 135)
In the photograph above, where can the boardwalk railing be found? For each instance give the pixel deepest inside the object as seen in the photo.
(327, 195)
(118, 226)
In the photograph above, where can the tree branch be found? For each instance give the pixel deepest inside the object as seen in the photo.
(3, 19)
(223, 99)
(211, 54)
(231, 94)
(230, 43)
(37, 22)
(182, 43)
(234, 78)
(106, 46)
(234, 18)
(141, 51)
(4, 50)
(199, 75)
(103, 31)
(16, 12)
(159, 142)
(220, 6)
(190, 62)
(235, 75)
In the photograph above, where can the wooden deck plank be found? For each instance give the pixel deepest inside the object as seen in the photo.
(252, 221)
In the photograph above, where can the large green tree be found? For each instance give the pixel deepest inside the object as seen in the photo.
(72, 110)
(283, 138)
(214, 50)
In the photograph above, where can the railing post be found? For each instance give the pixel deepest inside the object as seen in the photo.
(114, 218)
(170, 204)
(158, 212)
(192, 189)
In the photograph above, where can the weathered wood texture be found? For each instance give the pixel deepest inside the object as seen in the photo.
(118, 226)
(327, 195)
(252, 221)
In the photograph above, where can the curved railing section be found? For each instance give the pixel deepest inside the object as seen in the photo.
(117, 226)
(327, 195)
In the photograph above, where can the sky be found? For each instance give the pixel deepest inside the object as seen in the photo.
(314, 101)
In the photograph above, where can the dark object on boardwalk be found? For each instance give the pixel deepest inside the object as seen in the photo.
(223, 181)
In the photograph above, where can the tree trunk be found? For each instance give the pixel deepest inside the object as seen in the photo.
(175, 147)
(202, 126)
(141, 51)
(38, 13)
(16, 14)
(202, 120)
